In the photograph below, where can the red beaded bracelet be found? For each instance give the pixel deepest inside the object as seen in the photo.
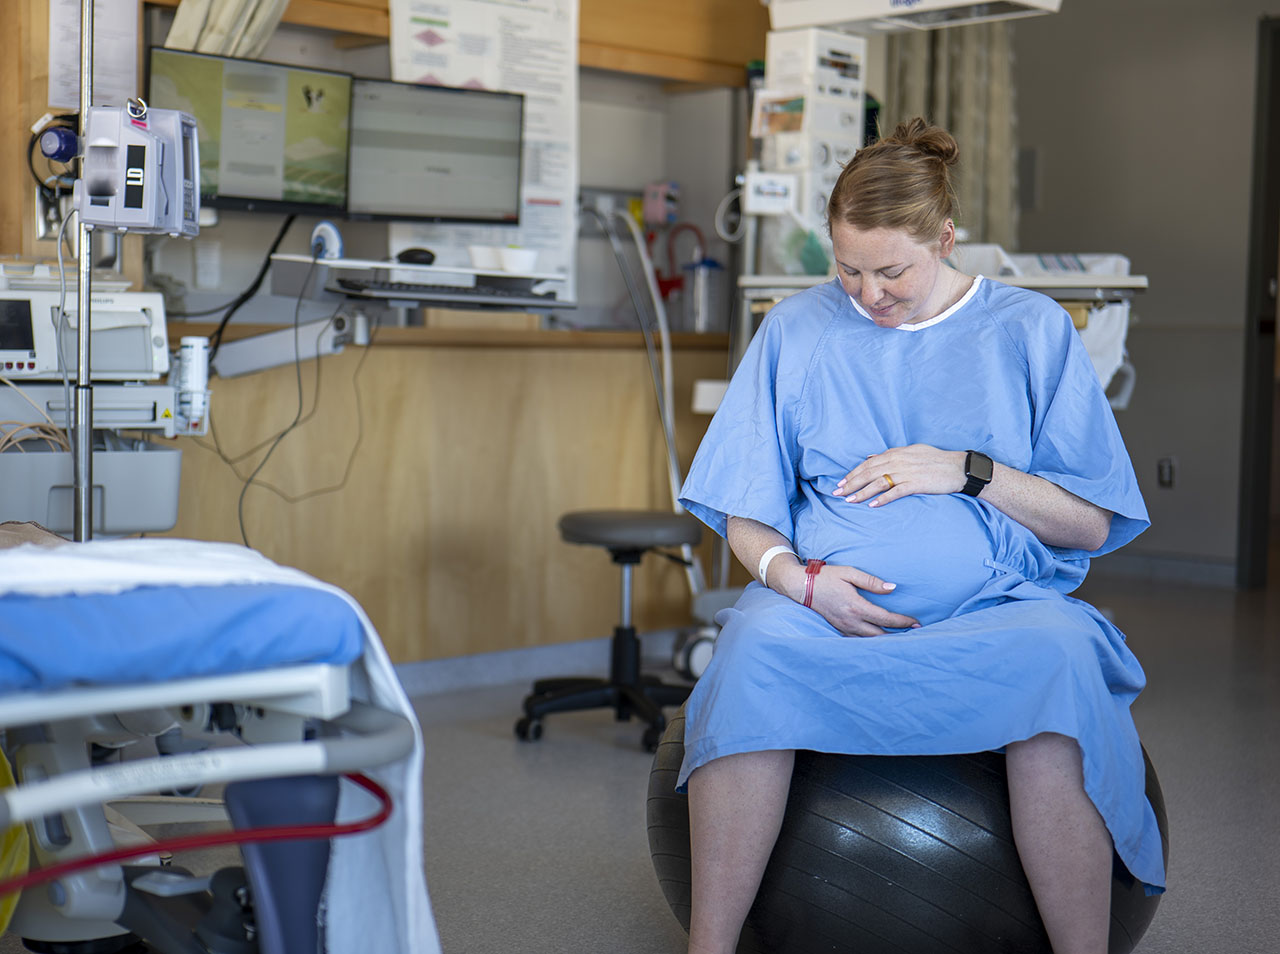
(811, 569)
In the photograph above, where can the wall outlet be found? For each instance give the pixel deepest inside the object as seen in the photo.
(1166, 471)
(50, 213)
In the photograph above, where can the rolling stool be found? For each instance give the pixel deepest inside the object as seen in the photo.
(626, 534)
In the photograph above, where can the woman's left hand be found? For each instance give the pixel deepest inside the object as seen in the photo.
(901, 471)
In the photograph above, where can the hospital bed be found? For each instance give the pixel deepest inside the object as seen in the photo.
(131, 670)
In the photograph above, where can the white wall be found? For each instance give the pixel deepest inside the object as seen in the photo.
(1141, 117)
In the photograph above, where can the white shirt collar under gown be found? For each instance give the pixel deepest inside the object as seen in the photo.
(921, 325)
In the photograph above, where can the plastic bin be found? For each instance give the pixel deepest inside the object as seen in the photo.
(134, 491)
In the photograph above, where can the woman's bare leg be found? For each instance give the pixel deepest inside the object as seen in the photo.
(1063, 843)
(735, 810)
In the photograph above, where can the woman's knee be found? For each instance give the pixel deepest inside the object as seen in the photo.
(1048, 754)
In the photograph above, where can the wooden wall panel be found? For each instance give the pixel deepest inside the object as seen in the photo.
(24, 79)
(24, 96)
(446, 529)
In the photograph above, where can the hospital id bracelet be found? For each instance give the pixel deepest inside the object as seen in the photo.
(769, 554)
(810, 574)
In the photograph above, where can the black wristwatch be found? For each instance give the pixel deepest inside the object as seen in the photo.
(977, 472)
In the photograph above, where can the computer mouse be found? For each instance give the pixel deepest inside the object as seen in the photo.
(415, 256)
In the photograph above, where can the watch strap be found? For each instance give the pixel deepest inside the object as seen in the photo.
(973, 483)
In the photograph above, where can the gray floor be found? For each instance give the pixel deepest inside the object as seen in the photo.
(542, 847)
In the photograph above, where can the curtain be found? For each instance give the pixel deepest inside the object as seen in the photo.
(962, 79)
(225, 27)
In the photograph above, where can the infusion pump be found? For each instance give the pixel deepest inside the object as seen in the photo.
(128, 339)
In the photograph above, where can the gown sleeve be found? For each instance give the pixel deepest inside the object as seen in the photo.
(1076, 443)
(745, 465)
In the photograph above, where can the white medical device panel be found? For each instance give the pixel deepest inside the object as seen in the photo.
(128, 336)
(140, 171)
(827, 70)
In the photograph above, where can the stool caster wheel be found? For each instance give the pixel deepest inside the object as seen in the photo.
(693, 652)
(652, 736)
(528, 730)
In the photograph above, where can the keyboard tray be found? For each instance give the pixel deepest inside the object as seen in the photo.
(474, 296)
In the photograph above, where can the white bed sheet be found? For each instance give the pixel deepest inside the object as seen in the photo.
(376, 894)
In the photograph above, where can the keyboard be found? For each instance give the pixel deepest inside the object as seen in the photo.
(472, 295)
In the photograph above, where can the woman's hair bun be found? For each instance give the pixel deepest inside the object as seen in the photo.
(930, 140)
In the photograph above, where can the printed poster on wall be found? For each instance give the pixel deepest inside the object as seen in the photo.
(522, 46)
(115, 53)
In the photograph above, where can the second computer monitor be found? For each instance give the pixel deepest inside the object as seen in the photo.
(434, 153)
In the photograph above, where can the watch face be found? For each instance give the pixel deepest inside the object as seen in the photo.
(979, 466)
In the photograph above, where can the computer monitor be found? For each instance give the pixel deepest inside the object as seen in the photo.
(272, 137)
(434, 153)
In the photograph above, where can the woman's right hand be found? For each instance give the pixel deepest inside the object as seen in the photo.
(837, 596)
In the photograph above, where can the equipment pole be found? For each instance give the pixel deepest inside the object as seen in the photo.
(83, 426)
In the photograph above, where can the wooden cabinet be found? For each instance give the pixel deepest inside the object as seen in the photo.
(447, 457)
(699, 41)
(695, 41)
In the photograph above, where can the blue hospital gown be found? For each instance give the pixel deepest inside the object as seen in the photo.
(1003, 652)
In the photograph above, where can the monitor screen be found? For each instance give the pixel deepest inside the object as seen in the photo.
(272, 137)
(434, 153)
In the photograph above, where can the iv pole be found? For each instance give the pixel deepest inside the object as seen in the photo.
(83, 426)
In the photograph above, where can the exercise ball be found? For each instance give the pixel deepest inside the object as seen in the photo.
(880, 854)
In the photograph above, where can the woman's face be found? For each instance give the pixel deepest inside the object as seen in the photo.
(895, 278)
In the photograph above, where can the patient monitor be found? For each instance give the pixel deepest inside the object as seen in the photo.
(135, 481)
(127, 334)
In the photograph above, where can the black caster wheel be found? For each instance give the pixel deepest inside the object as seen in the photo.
(528, 730)
(652, 736)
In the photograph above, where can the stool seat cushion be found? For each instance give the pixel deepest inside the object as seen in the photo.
(630, 529)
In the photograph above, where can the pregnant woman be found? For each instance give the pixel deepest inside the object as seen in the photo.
(918, 464)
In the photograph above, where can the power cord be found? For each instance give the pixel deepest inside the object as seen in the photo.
(247, 836)
(48, 430)
(297, 418)
(235, 304)
(216, 446)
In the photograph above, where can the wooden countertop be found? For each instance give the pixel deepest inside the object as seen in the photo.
(603, 339)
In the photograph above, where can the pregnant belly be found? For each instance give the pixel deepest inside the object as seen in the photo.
(933, 547)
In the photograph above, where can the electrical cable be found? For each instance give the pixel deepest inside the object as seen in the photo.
(248, 836)
(628, 278)
(662, 386)
(721, 210)
(59, 319)
(50, 431)
(11, 435)
(315, 401)
(355, 447)
(297, 418)
(667, 407)
(245, 454)
(234, 305)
